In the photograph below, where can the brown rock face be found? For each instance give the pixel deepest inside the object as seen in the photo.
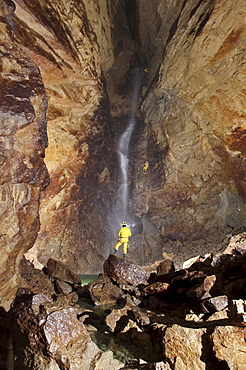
(190, 124)
(23, 104)
(71, 42)
(195, 191)
(226, 340)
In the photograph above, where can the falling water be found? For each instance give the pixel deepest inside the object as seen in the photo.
(123, 149)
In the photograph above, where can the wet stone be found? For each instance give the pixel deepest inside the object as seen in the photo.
(58, 270)
(123, 271)
(103, 291)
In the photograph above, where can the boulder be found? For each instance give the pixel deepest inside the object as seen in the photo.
(139, 316)
(199, 292)
(238, 312)
(35, 279)
(156, 288)
(182, 347)
(103, 291)
(123, 271)
(117, 319)
(237, 245)
(215, 304)
(228, 343)
(50, 336)
(59, 271)
(62, 287)
(165, 271)
(158, 366)
(135, 335)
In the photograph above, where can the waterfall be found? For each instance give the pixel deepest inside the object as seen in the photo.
(123, 151)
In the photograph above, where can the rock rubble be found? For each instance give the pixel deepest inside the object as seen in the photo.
(172, 319)
(186, 317)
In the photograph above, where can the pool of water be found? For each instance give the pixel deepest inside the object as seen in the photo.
(124, 350)
(87, 278)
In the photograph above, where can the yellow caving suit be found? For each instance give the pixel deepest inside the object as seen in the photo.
(124, 234)
(146, 166)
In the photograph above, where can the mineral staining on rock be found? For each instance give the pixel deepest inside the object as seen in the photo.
(190, 126)
(23, 104)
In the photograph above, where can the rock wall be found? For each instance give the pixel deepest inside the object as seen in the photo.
(65, 40)
(193, 108)
(23, 104)
(190, 125)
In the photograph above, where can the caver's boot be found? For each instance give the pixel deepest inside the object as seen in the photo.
(115, 251)
(124, 255)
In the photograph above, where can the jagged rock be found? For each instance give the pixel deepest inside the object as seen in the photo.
(196, 277)
(155, 303)
(123, 271)
(58, 270)
(158, 366)
(219, 316)
(238, 312)
(198, 262)
(39, 300)
(103, 291)
(215, 304)
(193, 317)
(140, 317)
(62, 287)
(235, 289)
(182, 347)
(198, 292)
(129, 301)
(165, 271)
(190, 262)
(157, 287)
(134, 334)
(35, 279)
(70, 299)
(51, 337)
(228, 344)
(221, 259)
(23, 104)
(117, 319)
(237, 244)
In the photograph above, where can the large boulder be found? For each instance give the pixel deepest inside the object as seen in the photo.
(59, 271)
(182, 347)
(35, 279)
(229, 346)
(103, 291)
(123, 271)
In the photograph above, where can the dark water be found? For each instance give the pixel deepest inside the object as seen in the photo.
(124, 350)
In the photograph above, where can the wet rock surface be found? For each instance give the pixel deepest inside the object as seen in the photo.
(124, 272)
(71, 64)
(58, 270)
(103, 291)
(182, 322)
(195, 321)
(189, 124)
(23, 105)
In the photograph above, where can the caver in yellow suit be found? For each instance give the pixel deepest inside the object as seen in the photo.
(124, 234)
